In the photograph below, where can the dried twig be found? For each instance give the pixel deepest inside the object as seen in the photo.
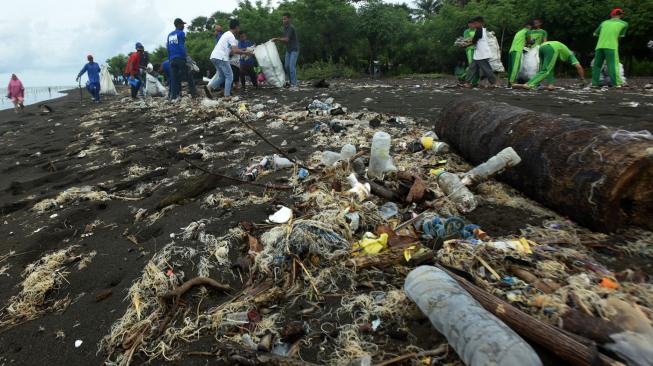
(267, 186)
(280, 150)
(435, 352)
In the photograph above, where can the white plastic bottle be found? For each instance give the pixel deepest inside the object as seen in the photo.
(506, 158)
(380, 160)
(477, 336)
(457, 192)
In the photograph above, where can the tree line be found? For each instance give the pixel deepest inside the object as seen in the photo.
(415, 37)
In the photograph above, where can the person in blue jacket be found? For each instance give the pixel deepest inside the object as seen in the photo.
(93, 72)
(179, 68)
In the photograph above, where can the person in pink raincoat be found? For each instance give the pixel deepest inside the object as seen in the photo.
(16, 93)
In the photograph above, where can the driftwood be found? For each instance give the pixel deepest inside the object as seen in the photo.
(197, 281)
(178, 292)
(558, 342)
(385, 193)
(391, 256)
(599, 176)
(189, 188)
(237, 354)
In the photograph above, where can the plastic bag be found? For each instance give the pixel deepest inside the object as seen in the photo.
(530, 64)
(154, 88)
(268, 59)
(495, 51)
(605, 75)
(106, 82)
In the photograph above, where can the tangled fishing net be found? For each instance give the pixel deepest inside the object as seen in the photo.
(301, 238)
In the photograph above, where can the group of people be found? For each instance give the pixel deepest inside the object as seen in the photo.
(550, 52)
(234, 59)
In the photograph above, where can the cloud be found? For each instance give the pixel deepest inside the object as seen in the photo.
(46, 42)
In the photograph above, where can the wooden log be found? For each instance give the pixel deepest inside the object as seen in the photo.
(574, 166)
(560, 343)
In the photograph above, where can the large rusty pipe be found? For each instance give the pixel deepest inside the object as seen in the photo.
(581, 169)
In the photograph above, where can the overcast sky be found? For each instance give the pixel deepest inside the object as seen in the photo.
(45, 42)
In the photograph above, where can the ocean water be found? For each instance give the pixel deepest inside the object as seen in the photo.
(35, 95)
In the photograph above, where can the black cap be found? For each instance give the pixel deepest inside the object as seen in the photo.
(179, 21)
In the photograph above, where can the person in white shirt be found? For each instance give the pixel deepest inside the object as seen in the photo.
(480, 66)
(222, 52)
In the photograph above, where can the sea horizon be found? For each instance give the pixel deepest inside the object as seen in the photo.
(36, 94)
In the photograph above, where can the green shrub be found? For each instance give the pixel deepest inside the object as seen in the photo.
(325, 70)
(641, 67)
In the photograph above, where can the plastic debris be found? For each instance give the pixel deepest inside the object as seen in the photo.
(282, 216)
(360, 190)
(380, 160)
(457, 192)
(388, 210)
(371, 244)
(476, 335)
(506, 158)
(78, 343)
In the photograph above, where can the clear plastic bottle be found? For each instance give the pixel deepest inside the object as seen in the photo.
(440, 147)
(457, 192)
(380, 160)
(479, 337)
(329, 158)
(347, 152)
(506, 158)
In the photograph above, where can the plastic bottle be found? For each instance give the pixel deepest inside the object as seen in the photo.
(440, 147)
(457, 192)
(506, 158)
(329, 158)
(380, 160)
(279, 162)
(347, 152)
(477, 336)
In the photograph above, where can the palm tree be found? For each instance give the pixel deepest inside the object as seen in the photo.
(426, 8)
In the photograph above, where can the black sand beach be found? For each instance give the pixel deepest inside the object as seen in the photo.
(128, 161)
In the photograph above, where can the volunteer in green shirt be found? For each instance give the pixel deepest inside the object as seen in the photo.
(469, 51)
(550, 53)
(607, 48)
(538, 35)
(516, 50)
